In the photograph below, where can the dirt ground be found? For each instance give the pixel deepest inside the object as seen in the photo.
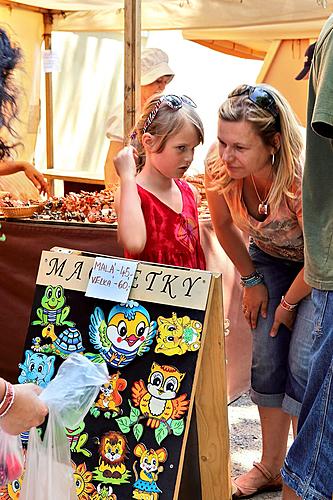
(245, 439)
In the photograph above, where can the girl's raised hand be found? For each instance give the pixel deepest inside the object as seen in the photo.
(125, 162)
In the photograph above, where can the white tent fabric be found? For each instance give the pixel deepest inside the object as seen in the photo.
(245, 22)
(253, 24)
(225, 17)
(91, 84)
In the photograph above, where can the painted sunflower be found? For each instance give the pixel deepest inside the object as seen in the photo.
(82, 477)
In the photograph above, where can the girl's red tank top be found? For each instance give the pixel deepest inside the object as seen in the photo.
(172, 238)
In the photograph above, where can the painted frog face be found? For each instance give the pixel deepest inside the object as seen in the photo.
(53, 298)
(76, 431)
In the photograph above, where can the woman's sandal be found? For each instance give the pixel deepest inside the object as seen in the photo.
(244, 489)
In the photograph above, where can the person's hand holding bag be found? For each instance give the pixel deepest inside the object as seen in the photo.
(69, 396)
(21, 408)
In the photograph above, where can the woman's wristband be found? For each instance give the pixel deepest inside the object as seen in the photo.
(2, 389)
(8, 400)
(4, 398)
(252, 279)
(285, 305)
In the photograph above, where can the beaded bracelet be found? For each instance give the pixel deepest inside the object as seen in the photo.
(2, 402)
(285, 305)
(8, 400)
(253, 279)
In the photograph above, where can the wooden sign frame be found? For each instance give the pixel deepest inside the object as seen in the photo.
(208, 389)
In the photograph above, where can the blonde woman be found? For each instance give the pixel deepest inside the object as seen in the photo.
(253, 184)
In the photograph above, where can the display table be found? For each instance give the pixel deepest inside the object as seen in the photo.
(75, 180)
(20, 256)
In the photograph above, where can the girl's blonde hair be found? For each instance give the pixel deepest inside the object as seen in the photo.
(164, 125)
(287, 162)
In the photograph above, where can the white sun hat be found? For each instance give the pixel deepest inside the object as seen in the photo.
(154, 64)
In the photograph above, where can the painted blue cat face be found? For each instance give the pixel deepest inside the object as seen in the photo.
(37, 368)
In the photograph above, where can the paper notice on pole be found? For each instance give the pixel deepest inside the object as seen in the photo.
(51, 61)
(111, 279)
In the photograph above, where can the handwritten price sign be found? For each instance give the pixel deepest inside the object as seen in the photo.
(111, 279)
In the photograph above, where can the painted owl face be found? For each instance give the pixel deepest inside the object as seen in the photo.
(128, 334)
(164, 381)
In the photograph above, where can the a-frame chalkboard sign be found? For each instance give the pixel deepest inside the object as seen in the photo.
(165, 352)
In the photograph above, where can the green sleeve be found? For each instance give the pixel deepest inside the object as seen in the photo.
(322, 118)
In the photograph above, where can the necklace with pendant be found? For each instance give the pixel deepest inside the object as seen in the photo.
(263, 205)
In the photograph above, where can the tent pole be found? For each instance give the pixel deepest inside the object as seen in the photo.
(132, 63)
(48, 99)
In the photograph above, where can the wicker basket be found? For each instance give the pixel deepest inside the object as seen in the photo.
(18, 212)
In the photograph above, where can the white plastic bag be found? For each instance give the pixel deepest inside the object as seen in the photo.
(11, 457)
(74, 389)
(49, 473)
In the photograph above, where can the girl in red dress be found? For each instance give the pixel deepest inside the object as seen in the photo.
(157, 211)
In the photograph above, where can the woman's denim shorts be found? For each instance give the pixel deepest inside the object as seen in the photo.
(309, 463)
(280, 364)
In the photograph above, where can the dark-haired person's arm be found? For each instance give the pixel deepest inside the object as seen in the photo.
(8, 167)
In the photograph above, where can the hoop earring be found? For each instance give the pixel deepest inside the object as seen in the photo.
(273, 159)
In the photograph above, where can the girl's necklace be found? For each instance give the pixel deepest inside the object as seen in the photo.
(263, 205)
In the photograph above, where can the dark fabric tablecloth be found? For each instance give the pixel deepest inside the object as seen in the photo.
(19, 261)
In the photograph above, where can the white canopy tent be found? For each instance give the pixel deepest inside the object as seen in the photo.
(276, 31)
(253, 23)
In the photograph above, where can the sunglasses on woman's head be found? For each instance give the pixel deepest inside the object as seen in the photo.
(260, 97)
(174, 102)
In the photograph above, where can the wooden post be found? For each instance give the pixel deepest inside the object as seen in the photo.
(211, 405)
(49, 99)
(132, 63)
